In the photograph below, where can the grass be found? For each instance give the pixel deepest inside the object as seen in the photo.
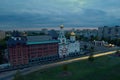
(103, 68)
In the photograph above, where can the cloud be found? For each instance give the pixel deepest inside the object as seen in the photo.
(39, 13)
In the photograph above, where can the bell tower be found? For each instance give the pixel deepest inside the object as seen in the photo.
(63, 45)
(62, 37)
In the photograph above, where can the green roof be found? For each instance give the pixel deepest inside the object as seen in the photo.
(43, 42)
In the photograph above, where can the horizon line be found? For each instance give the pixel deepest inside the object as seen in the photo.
(49, 28)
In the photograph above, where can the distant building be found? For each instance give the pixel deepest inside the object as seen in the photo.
(87, 32)
(2, 34)
(109, 32)
(99, 43)
(38, 38)
(32, 49)
(44, 30)
(53, 33)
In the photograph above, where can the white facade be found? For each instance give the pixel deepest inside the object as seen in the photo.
(100, 43)
(74, 47)
(63, 50)
(67, 47)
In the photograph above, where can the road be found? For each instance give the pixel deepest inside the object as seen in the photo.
(9, 75)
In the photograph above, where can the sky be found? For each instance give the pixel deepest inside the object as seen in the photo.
(16, 14)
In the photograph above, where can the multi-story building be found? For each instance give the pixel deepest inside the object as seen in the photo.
(53, 33)
(87, 32)
(109, 32)
(44, 30)
(2, 34)
(32, 49)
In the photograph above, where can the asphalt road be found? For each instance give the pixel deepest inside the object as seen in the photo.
(9, 75)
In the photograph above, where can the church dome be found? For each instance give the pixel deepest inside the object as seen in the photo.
(62, 26)
(72, 34)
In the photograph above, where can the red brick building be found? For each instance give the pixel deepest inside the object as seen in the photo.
(42, 51)
(18, 55)
(31, 50)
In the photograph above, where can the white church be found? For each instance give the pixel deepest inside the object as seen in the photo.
(67, 47)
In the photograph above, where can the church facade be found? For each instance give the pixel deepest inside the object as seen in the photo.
(67, 47)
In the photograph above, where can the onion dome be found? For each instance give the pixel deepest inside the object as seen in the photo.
(62, 26)
(72, 34)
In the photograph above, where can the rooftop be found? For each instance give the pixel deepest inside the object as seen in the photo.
(38, 38)
(43, 42)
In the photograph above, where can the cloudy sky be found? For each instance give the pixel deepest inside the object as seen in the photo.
(52, 13)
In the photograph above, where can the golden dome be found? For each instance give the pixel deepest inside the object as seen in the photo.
(72, 34)
(61, 26)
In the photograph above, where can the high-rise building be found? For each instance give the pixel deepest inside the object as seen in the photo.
(109, 32)
(2, 34)
(87, 32)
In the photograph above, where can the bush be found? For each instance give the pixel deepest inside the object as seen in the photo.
(65, 67)
(91, 58)
(18, 76)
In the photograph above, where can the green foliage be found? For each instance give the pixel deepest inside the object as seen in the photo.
(91, 58)
(3, 44)
(85, 47)
(112, 41)
(92, 38)
(92, 49)
(78, 37)
(117, 52)
(116, 42)
(1, 56)
(18, 76)
(65, 67)
(67, 35)
(2, 48)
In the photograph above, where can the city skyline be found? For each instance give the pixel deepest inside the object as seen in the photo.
(48, 28)
(49, 13)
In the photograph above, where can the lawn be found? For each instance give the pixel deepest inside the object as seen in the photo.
(103, 68)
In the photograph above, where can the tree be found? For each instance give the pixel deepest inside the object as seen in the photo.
(3, 44)
(18, 76)
(65, 68)
(1, 57)
(92, 49)
(117, 53)
(91, 57)
(92, 38)
(85, 47)
(67, 35)
(80, 37)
